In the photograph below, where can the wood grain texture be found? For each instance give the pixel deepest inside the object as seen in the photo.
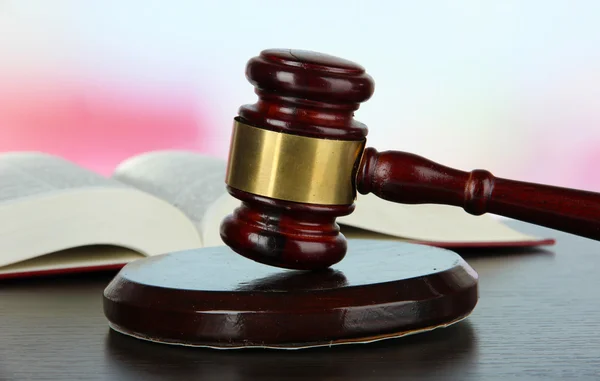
(309, 94)
(538, 318)
(214, 297)
(411, 179)
(285, 234)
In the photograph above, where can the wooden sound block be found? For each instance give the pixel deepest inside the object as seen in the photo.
(213, 297)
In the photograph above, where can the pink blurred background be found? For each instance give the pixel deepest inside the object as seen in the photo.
(509, 86)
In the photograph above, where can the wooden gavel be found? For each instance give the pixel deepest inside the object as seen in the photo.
(298, 158)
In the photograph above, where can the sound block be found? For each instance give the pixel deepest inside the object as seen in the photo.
(213, 297)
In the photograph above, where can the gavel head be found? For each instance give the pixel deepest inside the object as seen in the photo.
(293, 159)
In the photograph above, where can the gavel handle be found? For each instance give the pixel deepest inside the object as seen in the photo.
(410, 179)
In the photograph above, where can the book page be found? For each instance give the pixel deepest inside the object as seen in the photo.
(431, 223)
(188, 180)
(51, 207)
(27, 174)
(77, 258)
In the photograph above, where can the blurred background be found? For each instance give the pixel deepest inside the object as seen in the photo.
(510, 86)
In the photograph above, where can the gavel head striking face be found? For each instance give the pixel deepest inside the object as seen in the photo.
(294, 158)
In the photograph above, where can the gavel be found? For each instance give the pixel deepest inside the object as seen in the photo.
(298, 159)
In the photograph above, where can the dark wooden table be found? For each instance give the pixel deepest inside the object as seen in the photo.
(538, 317)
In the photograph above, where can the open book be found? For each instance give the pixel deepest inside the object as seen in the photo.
(56, 216)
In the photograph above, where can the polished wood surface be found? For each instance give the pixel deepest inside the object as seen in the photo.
(315, 95)
(308, 94)
(538, 317)
(411, 179)
(216, 298)
(285, 234)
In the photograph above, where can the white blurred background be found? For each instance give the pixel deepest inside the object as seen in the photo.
(510, 86)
